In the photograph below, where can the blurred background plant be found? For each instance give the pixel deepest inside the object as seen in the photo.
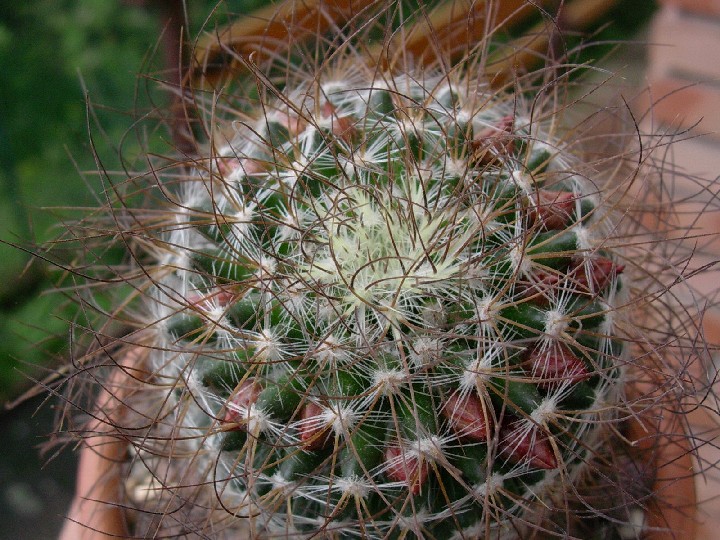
(69, 96)
(69, 91)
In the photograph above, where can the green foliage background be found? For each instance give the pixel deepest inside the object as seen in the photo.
(68, 74)
(47, 49)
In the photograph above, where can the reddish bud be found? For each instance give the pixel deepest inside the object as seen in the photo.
(467, 416)
(293, 123)
(342, 126)
(403, 467)
(314, 431)
(248, 166)
(540, 284)
(522, 442)
(552, 208)
(555, 364)
(224, 297)
(494, 141)
(220, 297)
(594, 274)
(238, 406)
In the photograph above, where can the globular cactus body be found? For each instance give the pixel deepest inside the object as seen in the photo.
(391, 309)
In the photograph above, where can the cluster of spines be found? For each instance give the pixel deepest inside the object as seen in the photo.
(398, 317)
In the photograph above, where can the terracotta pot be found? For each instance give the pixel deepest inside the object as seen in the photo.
(663, 443)
(705, 426)
(96, 512)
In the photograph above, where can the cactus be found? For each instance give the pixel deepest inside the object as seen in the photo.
(379, 304)
(400, 317)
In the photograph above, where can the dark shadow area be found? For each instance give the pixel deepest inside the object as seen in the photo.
(35, 490)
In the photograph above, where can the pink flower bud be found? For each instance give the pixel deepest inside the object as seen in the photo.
(522, 442)
(467, 416)
(554, 364)
(494, 141)
(552, 208)
(249, 167)
(342, 126)
(404, 467)
(593, 275)
(314, 431)
(293, 123)
(220, 297)
(237, 408)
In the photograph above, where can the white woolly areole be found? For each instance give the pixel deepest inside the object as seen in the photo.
(389, 381)
(519, 259)
(555, 322)
(353, 486)
(268, 346)
(456, 167)
(267, 267)
(585, 240)
(477, 371)
(290, 227)
(341, 418)
(415, 521)
(429, 448)
(279, 482)
(242, 219)
(258, 421)
(545, 411)
(329, 351)
(216, 315)
(492, 484)
(424, 351)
